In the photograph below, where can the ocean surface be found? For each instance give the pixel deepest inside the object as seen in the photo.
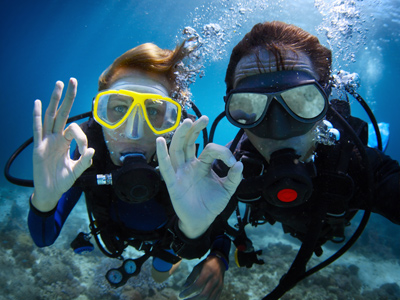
(46, 41)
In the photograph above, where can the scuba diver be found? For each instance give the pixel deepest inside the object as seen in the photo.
(121, 151)
(306, 160)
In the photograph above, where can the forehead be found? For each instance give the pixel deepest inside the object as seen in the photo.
(263, 61)
(273, 82)
(142, 82)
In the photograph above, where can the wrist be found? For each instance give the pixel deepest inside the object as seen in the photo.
(190, 232)
(221, 258)
(186, 247)
(42, 206)
(39, 213)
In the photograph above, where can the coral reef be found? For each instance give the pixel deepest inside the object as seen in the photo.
(370, 271)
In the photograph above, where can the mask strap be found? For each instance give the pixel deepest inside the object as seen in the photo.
(235, 142)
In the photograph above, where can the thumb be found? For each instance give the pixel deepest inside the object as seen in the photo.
(189, 288)
(194, 274)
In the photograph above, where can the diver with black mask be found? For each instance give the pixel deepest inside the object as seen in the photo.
(138, 192)
(306, 160)
(265, 105)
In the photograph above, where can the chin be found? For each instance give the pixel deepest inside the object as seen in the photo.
(302, 144)
(116, 160)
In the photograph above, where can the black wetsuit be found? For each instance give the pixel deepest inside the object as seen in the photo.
(117, 221)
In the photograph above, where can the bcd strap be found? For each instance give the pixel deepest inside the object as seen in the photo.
(155, 250)
(165, 255)
(298, 268)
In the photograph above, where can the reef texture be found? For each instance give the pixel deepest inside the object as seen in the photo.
(369, 271)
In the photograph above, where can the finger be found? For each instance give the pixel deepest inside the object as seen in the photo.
(65, 108)
(190, 285)
(37, 123)
(213, 151)
(197, 297)
(218, 294)
(74, 132)
(193, 134)
(51, 110)
(176, 150)
(210, 291)
(193, 289)
(194, 274)
(84, 162)
(164, 162)
(205, 290)
(233, 179)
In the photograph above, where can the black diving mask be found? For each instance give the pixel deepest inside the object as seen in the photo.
(277, 105)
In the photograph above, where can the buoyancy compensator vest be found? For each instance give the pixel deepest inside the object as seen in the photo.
(99, 198)
(329, 212)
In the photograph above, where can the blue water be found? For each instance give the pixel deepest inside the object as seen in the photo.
(46, 41)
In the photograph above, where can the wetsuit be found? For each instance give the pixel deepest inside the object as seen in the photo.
(382, 196)
(152, 221)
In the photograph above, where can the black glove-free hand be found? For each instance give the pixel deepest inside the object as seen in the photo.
(206, 280)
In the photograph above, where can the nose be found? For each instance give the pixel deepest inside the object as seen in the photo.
(278, 124)
(134, 128)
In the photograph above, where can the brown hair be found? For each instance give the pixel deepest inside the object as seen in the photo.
(146, 57)
(278, 37)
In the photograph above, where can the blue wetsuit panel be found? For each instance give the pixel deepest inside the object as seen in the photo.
(45, 228)
(146, 216)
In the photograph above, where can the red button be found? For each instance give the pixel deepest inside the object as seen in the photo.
(287, 195)
(241, 247)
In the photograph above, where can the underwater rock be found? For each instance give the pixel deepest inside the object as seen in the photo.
(131, 294)
(55, 272)
(388, 291)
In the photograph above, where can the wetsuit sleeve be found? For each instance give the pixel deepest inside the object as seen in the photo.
(219, 245)
(220, 248)
(189, 248)
(386, 200)
(45, 227)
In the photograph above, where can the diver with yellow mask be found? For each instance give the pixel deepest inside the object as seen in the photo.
(138, 192)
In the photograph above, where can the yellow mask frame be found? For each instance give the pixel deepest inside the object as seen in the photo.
(137, 99)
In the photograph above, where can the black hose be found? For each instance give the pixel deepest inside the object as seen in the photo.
(214, 126)
(205, 134)
(370, 115)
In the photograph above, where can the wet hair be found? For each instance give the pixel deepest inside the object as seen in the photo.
(147, 57)
(278, 37)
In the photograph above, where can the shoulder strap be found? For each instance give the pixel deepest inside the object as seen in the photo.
(298, 268)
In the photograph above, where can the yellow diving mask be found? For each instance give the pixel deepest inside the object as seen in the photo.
(112, 108)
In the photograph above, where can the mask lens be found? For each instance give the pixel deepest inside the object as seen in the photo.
(162, 115)
(305, 101)
(113, 107)
(247, 108)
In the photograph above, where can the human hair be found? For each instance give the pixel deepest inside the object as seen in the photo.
(146, 57)
(278, 37)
